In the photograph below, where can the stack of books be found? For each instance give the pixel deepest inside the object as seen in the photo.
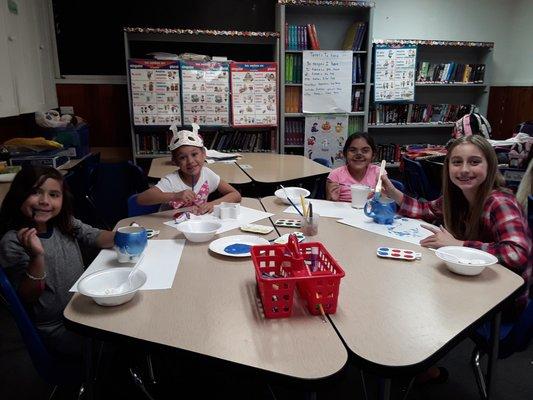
(301, 37)
(451, 72)
(417, 113)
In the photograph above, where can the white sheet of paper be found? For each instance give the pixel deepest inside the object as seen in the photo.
(405, 229)
(160, 263)
(325, 208)
(246, 216)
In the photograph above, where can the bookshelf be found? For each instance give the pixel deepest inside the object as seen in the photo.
(332, 20)
(150, 141)
(449, 86)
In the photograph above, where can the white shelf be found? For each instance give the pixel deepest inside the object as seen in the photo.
(351, 114)
(301, 51)
(412, 125)
(442, 84)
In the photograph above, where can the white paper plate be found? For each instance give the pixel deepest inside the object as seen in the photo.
(219, 245)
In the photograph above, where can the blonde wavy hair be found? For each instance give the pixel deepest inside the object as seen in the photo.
(461, 220)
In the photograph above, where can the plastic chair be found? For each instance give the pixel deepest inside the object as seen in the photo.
(398, 185)
(135, 208)
(322, 161)
(53, 371)
(416, 181)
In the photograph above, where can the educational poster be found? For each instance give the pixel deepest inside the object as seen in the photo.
(325, 136)
(254, 94)
(394, 73)
(327, 81)
(205, 93)
(155, 92)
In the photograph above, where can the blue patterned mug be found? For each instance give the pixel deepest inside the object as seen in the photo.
(382, 210)
(130, 242)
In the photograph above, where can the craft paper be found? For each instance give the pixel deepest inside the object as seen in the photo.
(160, 263)
(325, 208)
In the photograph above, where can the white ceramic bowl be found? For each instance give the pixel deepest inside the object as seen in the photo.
(465, 260)
(294, 194)
(199, 231)
(101, 285)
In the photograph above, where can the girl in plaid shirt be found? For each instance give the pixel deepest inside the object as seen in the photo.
(474, 209)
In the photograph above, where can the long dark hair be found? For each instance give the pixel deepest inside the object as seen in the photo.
(26, 181)
(463, 221)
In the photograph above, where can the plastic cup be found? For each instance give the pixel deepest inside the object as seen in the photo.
(359, 195)
(310, 225)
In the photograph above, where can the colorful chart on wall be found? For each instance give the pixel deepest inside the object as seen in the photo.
(205, 93)
(394, 73)
(155, 92)
(254, 94)
(327, 81)
(325, 136)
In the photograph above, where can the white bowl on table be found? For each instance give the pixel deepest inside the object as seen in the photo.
(293, 193)
(465, 260)
(109, 287)
(199, 231)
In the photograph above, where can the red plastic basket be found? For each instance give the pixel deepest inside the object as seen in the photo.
(278, 271)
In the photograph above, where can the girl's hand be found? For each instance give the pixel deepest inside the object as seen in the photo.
(29, 240)
(440, 238)
(389, 190)
(187, 196)
(334, 190)
(205, 208)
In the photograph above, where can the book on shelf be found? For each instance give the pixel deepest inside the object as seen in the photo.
(294, 132)
(450, 72)
(391, 152)
(301, 37)
(357, 69)
(293, 68)
(293, 99)
(353, 40)
(358, 100)
(417, 113)
(242, 140)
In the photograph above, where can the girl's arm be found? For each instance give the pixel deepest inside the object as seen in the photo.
(333, 190)
(105, 240)
(154, 195)
(33, 283)
(512, 243)
(229, 195)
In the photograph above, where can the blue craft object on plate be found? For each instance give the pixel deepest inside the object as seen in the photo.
(237, 248)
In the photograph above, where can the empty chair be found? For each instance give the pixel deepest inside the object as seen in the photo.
(135, 208)
(52, 370)
(416, 181)
(322, 161)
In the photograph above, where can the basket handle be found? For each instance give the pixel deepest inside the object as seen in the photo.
(292, 244)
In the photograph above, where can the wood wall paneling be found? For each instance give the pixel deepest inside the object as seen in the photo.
(509, 106)
(104, 107)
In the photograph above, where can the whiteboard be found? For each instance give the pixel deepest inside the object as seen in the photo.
(327, 81)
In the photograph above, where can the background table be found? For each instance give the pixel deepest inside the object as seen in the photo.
(231, 173)
(213, 309)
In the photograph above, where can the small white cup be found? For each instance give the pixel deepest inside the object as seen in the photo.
(359, 195)
(227, 210)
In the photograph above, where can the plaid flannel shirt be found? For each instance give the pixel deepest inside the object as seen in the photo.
(504, 231)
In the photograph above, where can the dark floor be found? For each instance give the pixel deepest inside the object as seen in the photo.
(18, 379)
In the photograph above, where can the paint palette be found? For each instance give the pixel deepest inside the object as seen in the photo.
(257, 228)
(398, 254)
(283, 239)
(289, 223)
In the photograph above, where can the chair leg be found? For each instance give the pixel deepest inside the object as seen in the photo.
(478, 372)
(137, 380)
(150, 366)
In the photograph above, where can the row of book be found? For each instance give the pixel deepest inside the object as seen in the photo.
(355, 124)
(301, 37)
(392, 152)
(358, 73)
(451, 72)
(354, 38)
(358, 100)
(294, 132)
(417, 113)
(293, 68)
(293, 99)
(250, 141)
(153, 143)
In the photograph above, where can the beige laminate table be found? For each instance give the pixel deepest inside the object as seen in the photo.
(213, 309)
(274, 168)
(231, 173)
(400, 314)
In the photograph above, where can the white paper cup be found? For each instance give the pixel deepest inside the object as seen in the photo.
(359, 195)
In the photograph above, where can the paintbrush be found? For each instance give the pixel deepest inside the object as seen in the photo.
(377, 192)
(290, 201)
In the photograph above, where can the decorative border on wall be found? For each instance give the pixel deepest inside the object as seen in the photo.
(422, 42)
(337, 3)
(211, 32)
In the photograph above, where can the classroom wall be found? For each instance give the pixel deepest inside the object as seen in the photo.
(506, 23)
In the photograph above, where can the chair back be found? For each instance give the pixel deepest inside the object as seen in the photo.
(47, 367)
(322, 161)
(135, 208)
(416, 181)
